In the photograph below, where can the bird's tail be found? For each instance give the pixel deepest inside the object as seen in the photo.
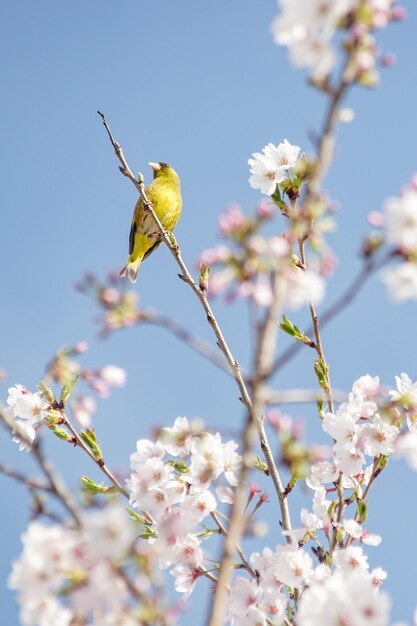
(130, 269)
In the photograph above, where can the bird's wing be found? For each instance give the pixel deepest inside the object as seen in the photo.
(154, 247)
(132, 235)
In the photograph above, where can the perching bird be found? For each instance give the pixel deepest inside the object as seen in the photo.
(165, 195)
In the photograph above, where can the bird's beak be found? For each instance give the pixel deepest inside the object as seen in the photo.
(154, 166)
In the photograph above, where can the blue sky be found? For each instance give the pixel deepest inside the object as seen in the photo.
(202, 86)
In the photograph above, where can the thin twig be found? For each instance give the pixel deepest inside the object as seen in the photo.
(370, 266)
(31, 483)
(340, 510)
(59, 488)
(253, 420)
(239, 550)
(185, 274)
(317, 335)
(98, 461)
(187, 278)
(197, 344)
(56, 485)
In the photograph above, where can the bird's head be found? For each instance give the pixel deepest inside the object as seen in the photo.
(163, 170)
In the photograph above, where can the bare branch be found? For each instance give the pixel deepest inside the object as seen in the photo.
(254, 420)
(194, 342)
(31, 483)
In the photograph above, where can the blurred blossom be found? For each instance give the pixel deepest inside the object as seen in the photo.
(343, 598)
(112, 375)
(120, 306)
(110, 296)
(278, 246)
(232, 221)
(376, 219)
(399, 13)
(265, 210)
(82, 408)
(57, 557)
(346, 115)
(63, 368)
(219, 281)
(300, 287)
(219, 254)
(401, 282)
(279, 421)
(328, 263)
(406, 447)
(81, 347)
(388, 59)
(401, 221)
(309, 30)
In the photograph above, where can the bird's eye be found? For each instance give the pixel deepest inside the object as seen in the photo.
(163, 165)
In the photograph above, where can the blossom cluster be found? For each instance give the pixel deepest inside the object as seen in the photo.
(341, 589)
(177, 486)
(28, 411)
(308, 29)
(178, 496)
(119, 304)
(245, 266)
(67, 575)
(63, 368)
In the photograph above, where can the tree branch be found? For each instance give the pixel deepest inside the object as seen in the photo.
(253, 419)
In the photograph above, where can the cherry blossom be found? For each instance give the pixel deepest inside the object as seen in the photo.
(343, 598)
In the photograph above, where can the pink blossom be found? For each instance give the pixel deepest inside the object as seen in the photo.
(343, 598)
(113, 376)
(82, 408)
(110, 296)
(378, 436)
(232, 221)
(177, 440)
(376, 219)
(81, 347)
(351, 559)
(185, 579)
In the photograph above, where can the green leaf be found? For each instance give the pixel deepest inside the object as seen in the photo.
(208, 532)
(179, 466)
(203, 277)
(320, 407)
(293, 330)
(149, 533)
(260, 465)
(362, 511)
(135, 517)
(90, 439)
(60, 432)
(331, 509)
(92, 488)
(66, 391)
(321, 370)
(47, 392)
(278, 201)
(172, 240)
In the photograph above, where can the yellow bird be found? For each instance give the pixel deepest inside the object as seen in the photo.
(165, 195)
